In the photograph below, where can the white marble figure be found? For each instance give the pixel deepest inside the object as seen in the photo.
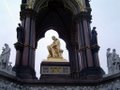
(113, 61)
(109, 61)
(4, 57)
(116, 61)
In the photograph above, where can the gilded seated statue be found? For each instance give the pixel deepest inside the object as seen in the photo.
(54, 49)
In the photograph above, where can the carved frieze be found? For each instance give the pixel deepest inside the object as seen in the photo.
(82, 5)
(7, 85)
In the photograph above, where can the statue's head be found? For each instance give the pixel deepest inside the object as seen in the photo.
(53, 37)
(19, 24)
(108, 49)
(114, 50)
(6, 45)
(3, 48)
(94, 28)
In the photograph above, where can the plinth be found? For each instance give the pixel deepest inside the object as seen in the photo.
(54, 69)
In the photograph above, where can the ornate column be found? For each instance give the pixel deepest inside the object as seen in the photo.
(81, 43)
(73, 52)
(87, 60)
(74, 60)
(26, 70)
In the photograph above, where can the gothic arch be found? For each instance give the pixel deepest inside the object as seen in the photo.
(60, 19)
(72, 24)
(72, 5)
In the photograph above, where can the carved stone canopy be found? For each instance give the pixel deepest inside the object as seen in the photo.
(31, 4)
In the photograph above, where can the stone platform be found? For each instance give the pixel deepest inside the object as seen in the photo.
(54, 70)
(8, 82)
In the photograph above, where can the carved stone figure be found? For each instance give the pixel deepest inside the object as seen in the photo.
(113, 61)
(20, 33)
(4, 57)
(116, 61)
(54, 49)
(109, 61)
(94, 36)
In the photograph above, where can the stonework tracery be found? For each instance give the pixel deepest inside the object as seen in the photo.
(30, 4)
(82, 5)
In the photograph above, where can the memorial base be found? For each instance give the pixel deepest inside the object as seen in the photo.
(54, 70)
(91, 73)
(24, 72)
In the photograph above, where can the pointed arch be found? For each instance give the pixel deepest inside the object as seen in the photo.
(71, 5)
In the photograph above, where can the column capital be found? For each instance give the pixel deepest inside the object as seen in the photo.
(27, 13)
(19, 46)
(83, 15)
(95, 48)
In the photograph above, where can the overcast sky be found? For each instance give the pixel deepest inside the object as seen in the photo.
(106, 17)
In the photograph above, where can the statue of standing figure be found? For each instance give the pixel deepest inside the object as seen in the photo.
(20, 33)
(109, 61)
(94, 36)
(116, 61)
(113, 61)
(4, 57)
(54, 49)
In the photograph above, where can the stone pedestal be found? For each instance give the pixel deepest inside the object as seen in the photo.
(52, 70)
(92, 73)
(22, 71)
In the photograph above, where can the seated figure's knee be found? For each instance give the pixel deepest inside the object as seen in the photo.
(48, 47)
(61, 51)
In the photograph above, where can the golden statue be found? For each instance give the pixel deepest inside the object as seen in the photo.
(54, 49)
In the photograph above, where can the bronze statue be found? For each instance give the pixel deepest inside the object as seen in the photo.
(20, 33)
(94, 36)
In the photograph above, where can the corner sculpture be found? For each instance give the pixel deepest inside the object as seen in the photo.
(5, 65)
(94, 36)
(113, 61)
(4, 57)
(20, 33)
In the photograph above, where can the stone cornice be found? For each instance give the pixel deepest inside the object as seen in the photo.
(83, 15)
(27, 13)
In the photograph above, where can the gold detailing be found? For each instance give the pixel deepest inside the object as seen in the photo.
(30, 4)
(82, 5)
(54, 49)
(26, 45)
(84, 48)
(55, 52)
(55, 60)
(94, 46)
(88, 47)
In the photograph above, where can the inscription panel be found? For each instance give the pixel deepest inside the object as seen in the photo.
(55, 70)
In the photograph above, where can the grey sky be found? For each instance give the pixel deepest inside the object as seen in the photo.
(106, 17)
